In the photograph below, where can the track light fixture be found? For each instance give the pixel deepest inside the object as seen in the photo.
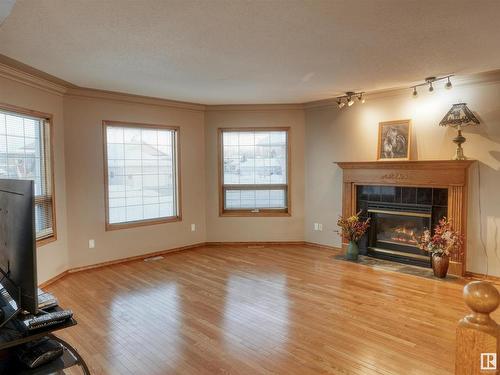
(349, 97)
(448, 84)
(429, 81)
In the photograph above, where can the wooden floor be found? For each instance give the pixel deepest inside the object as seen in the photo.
(268, 310)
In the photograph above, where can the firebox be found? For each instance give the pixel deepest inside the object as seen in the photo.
(398, 217)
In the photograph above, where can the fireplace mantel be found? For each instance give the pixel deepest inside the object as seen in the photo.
(450, 174)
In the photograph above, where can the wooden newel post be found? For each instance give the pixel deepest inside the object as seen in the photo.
(478, 334)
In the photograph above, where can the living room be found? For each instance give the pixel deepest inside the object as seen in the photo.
(199, 162)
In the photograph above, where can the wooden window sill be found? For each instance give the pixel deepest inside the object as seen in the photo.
(143, 223)
(46, 241)
(243, 213)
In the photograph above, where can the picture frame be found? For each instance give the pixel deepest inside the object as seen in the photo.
(394, 140)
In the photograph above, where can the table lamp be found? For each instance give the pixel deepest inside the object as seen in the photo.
(457, 117)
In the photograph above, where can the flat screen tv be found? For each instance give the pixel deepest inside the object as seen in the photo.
(18, 271)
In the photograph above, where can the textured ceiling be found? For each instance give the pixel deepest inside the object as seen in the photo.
(223, 52)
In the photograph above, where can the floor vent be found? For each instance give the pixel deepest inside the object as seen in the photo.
(152, 259)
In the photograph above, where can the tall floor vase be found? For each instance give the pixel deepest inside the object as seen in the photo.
(352, 251)
(440, 265)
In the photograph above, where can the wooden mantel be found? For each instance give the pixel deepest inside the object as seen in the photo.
(450, 174)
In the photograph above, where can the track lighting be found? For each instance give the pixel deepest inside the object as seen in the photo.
(448, 84)
(429, 81)
(349, 97)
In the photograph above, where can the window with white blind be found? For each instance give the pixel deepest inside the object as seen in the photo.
(142, 183)
(25, 154)
(254, 171)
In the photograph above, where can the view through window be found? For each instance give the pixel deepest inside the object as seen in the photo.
(25, 155)
(141, 166)
(255, 170)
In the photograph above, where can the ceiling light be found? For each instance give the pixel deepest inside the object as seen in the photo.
(448, 84)
(349, 98)
(429, 81)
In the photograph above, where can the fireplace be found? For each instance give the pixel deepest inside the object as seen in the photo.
(440, 184)
(398, 217)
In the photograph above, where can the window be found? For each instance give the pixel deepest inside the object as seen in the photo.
(141, 164)
(25, 154)
(254, 172)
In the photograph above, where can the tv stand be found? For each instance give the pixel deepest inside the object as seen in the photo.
(11, 335)
(4, 296)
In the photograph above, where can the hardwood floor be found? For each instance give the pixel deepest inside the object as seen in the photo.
(269, 310)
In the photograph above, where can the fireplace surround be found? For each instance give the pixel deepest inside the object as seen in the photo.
(388, 188)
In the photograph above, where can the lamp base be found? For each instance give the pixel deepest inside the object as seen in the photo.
(459, 152)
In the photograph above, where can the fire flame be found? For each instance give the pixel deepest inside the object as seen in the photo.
(402, 234)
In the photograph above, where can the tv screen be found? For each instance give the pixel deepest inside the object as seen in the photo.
(17, 243)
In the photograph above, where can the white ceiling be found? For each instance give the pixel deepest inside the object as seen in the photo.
(234, 51)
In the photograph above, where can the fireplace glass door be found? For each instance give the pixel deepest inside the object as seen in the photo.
(399, 231)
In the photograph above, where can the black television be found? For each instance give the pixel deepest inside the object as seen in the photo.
(18, 273)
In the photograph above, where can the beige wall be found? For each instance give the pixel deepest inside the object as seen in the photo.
(53, 257)
(255, 228)
(350, 134)
(85, 181)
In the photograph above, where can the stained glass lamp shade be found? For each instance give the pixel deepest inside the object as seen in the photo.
(457, 117)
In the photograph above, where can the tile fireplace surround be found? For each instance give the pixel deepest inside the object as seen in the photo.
(432, 174)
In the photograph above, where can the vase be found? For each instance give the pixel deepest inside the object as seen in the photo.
(352, 251)
(440, 265)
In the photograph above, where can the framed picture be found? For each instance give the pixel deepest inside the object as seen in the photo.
(394, 140)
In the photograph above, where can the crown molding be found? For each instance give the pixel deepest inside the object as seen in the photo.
(487, 77)
(28, 79)
(254, 107)
(25, 74)
(87, 93)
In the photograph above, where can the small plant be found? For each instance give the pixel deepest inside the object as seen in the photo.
(444, 242)
(352, 228)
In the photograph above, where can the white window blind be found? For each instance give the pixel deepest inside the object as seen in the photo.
(255, 170)
(25, 154)
(141, 164)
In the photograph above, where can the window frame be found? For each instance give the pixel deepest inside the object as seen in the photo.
(177, 155)
(49, 158)
(261, 212)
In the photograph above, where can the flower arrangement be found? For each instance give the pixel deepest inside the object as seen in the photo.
(352, 228)
(444, 242)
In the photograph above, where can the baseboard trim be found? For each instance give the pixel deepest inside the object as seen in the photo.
(181, 248)
(483, 277)
(135, 258)
(53, 279)
(255, 243)
(322, 246)
(119, 261)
